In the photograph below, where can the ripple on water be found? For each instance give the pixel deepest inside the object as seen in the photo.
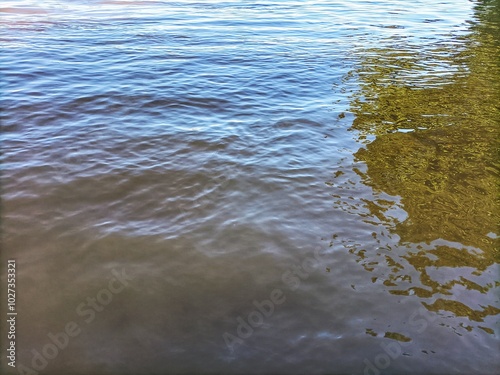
(211, 149)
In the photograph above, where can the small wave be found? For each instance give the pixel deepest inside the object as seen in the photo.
(297, 123)
(23, 10)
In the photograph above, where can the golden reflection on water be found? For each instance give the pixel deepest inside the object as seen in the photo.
(432, 117)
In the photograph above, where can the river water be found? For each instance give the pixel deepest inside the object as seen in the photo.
(251, 187)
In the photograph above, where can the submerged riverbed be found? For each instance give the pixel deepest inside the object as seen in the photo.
(252, 187)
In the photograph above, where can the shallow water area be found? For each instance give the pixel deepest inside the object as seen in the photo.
(278, 186)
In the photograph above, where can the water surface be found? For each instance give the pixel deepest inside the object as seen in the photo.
(344, 153)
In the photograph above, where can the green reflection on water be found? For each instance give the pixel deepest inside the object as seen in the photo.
(397, 336)
(433, 116)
